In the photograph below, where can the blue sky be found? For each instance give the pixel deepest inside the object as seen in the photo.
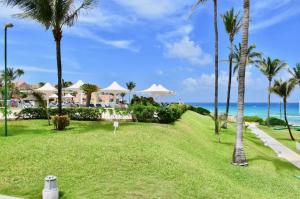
(154, 41)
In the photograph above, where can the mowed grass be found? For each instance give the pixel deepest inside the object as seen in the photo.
(141, 160)
(283, 136)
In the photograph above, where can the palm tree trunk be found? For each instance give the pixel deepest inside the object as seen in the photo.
(57, 36)
(269, 100)
(239, 157)
(229, 83)
(88, 99)
(216, 66)
(286, 120)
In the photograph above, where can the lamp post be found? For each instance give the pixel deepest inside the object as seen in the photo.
(9, 25)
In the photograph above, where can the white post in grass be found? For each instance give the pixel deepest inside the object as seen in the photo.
(298, 146)
(50, 190)
(116, 125)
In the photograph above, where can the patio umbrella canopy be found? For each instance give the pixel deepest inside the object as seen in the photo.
(158, 90)
(53, 96)
(76, 86)
(47, 88)
(68, 96)
(114, 88)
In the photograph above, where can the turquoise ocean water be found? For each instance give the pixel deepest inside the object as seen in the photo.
(259, 109)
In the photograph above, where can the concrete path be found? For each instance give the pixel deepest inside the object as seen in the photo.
(8, 197)
(281, 150)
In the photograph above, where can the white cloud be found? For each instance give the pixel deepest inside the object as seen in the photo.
(271, 12)
(188, 50)
(154, 9)
(86, 33)
(275, 19)
(36, 69)
(179, 45)
(106, 19)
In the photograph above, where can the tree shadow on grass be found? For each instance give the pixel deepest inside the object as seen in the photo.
(278, 163)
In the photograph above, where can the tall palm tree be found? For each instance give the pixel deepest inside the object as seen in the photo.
(284, 89)
(88, 89)
(196, 5)
(232, 23)
(270, 68)
(54, 14)
(130, 86)
(239, 157)
(253, 57)
(295, 72)
(12, 75)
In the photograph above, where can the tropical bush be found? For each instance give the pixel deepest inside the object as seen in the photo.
(143, 101)
(143, 113)
(253, 119)
(273, 121)
(200, 110)
(87, 114)
(60, 122)
(168, 114)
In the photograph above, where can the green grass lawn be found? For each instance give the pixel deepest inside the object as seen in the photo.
(140, 161)
(283, 136)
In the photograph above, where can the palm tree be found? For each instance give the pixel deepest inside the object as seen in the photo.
(216, 58)
(239, 157)
(42, 102)
(253, 57)
(130, 86)
(232, 23)
(12, 75)
(54, 14)
(295, 72)
(88, 89)
(270, 68)
(284, 89)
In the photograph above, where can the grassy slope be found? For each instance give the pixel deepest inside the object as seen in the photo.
(283, 136)
(140, 161)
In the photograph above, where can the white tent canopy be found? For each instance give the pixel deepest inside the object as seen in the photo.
(114, 88)
(158, 90)
(68, 96)
(47, 88)
(76, 86)
(53, 96)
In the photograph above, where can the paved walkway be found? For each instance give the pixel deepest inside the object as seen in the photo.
(282, 151)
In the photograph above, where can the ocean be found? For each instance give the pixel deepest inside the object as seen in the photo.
(258, 109)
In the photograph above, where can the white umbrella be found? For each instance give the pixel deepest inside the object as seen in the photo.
(53, 96)
(68, 96)
(47, 88)
(76, 86)
(158, 90)
(114, 88)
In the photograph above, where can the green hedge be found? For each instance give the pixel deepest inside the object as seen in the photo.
(253, 119)
(143, 113)
(86, 114)
(200, 110)
(168, 114)
(273, 121)
(162, 114)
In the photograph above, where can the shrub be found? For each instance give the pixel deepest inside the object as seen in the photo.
(253, 119)
(200, 110)
(182, 107)
(142, 113)
(32, 113)
(167, 115)
(273, 121)
(60, 122)
(143, 101)
(87, 114)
